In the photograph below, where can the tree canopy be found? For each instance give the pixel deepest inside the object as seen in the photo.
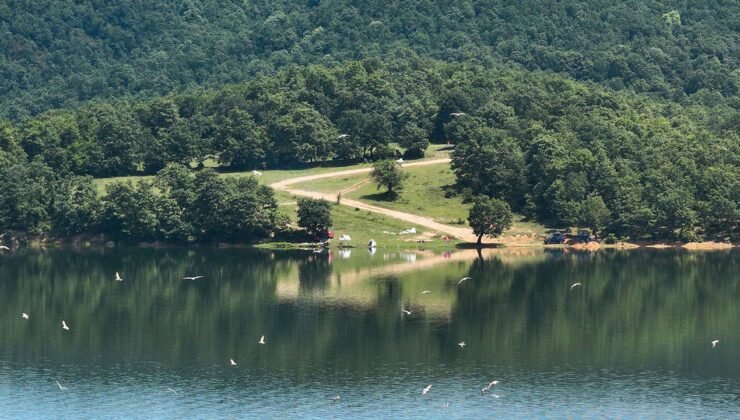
(56, 54)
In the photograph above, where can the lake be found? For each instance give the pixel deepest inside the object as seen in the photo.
(633, 340)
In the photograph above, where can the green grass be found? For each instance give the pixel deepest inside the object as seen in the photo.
(423, 194)
(332, 185)
(363, 226)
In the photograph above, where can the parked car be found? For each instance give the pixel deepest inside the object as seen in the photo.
(583, 236)
(555, 238)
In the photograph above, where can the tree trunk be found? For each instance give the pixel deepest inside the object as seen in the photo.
(480, 241)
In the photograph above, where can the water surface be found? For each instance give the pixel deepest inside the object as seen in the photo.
(633, 340)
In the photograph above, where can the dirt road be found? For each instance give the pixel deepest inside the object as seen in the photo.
(462, 233)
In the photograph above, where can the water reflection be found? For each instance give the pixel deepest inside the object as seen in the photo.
(637, 311)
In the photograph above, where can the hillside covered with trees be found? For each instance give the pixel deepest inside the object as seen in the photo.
(60, 53)
(556, 150)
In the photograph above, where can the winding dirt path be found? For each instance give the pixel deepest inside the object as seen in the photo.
(461, 233)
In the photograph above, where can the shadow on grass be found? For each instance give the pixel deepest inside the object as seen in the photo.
(384, 196)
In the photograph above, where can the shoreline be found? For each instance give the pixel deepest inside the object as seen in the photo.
(96, 241)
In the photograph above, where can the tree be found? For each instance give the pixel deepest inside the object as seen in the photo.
(386, 173)
(593, 213)
(490, 217)
(314, 216)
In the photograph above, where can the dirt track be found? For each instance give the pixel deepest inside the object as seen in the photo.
(462, 233)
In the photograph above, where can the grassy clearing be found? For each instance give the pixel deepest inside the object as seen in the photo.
(423, 194)
(434, 151)
(363, 226)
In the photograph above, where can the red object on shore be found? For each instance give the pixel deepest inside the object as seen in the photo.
(330, 234)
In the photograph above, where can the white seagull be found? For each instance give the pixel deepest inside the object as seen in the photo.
(457, 114)
(446, 405)
(232, 362)
(426, 292)
(461, 344)
(262, 340)
(24, 315)
(193, 277)
(714, 343)
(574, 285)
(463, 279)
(172, 391)
(488, 387)
(61, 388)
(118, 277)
(405, 311)
(3, 247)
(426, 389)
(64, 326)
(335, 398)
(342, 136)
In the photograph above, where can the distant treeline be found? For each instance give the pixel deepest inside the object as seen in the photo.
(178, 206)
(559, 151)
(60, 53)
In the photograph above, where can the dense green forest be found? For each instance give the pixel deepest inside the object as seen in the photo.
(56, 54)
(556, 150)
(620, 116)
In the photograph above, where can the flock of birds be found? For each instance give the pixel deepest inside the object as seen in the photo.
(119, 278)
(462, 344)
(337, 398)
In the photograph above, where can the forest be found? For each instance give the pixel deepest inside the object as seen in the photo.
(61, 53)
(620, 116)
(558, 151)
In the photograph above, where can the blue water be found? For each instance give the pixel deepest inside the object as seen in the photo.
(633, 341)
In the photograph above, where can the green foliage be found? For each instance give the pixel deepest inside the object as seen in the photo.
(489, 217)
(314, 216)
(176, 207)
(388, 174)
(549, 146)
(62, 53)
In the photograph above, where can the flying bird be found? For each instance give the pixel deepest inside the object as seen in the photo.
(172, 391)
(118, 277)
(405, 311)
(463, 279)
(461, 344)
(193, 277)
(64, 326)
(233, 363)
(426, 292)
(494, 395)
(335, 398)
(24, 315)
(262, 340)
(457, 114)
(61, 388)
(342, 136)
(574, 285)
(446, 405)
(4, 248)
(488, 387)
(426, 389)
(714, 343)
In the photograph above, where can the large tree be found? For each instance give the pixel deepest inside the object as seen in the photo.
(388, 174)
(314, 216)
(489, 217)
